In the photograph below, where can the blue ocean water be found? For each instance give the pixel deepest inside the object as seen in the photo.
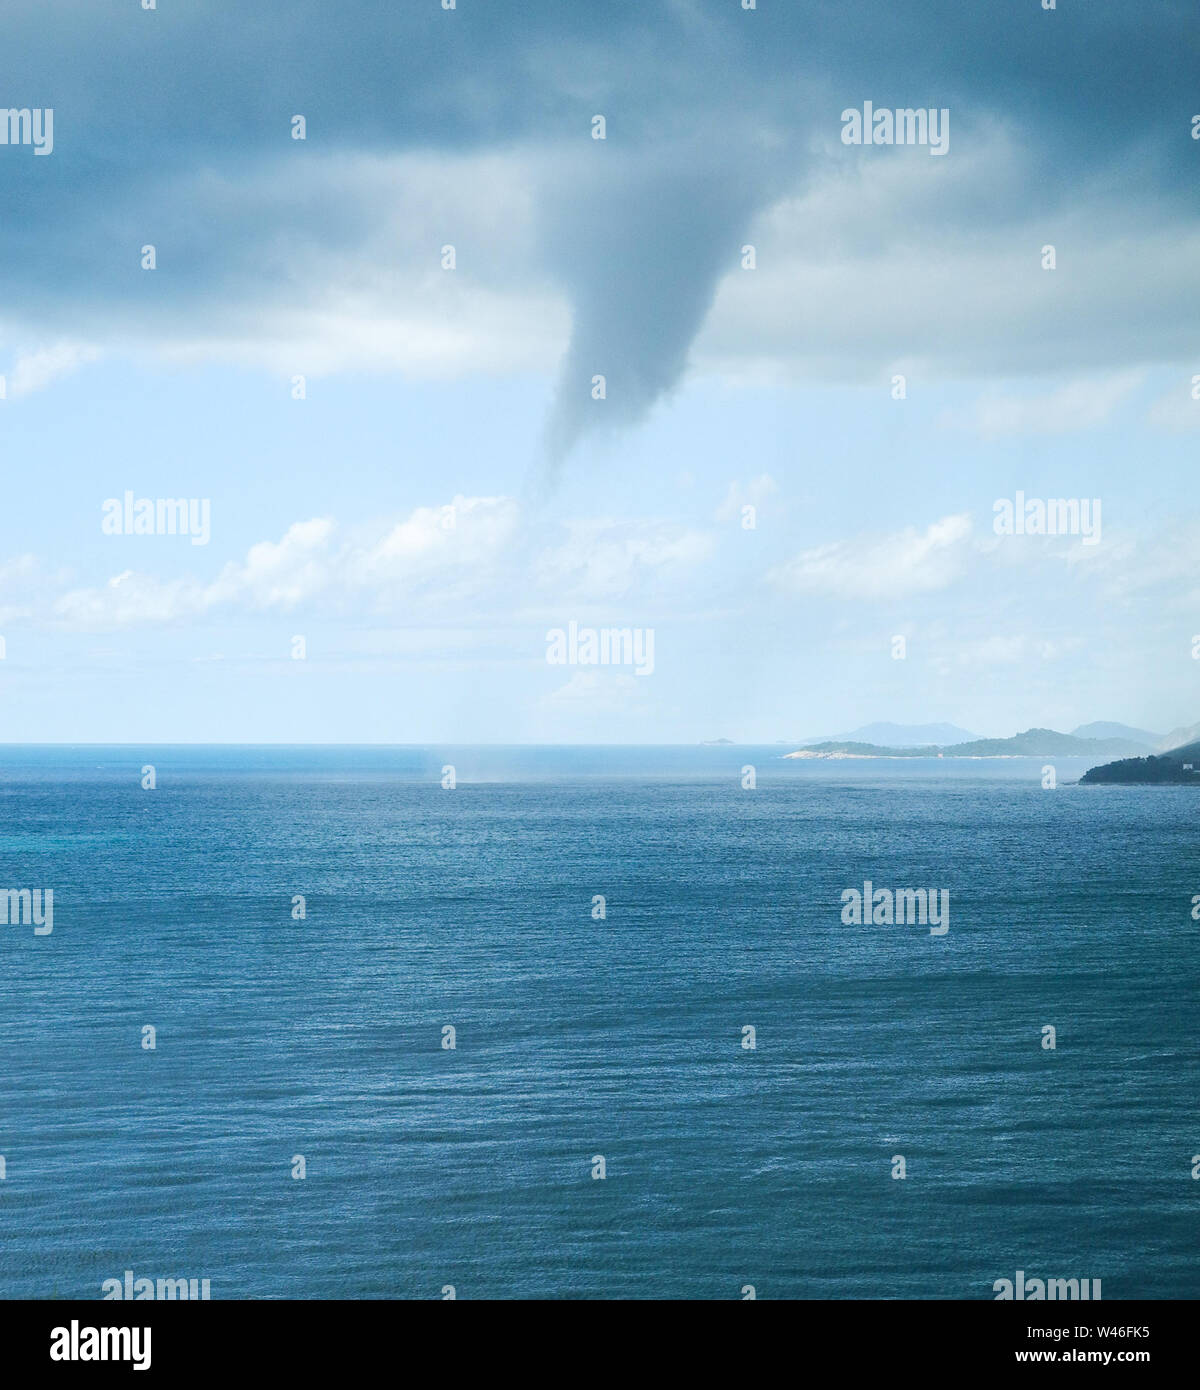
(577, 1037)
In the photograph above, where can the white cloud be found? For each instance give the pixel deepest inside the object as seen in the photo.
(358, 243)
(278, 574)
(930, 267)
(468, 550)
(881, 567)
(460, 538)
(1162, 564)
(600, 692)
(606, 559)
(1077, 405)
(453, 544)
(35, 370)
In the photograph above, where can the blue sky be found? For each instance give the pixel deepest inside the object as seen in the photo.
(435, 395)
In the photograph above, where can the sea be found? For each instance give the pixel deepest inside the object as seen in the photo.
(587, 1023)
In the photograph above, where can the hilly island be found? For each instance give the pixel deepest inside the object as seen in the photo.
(1033, 743)
(1180, 765)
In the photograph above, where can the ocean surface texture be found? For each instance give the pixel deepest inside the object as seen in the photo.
(581, 1036)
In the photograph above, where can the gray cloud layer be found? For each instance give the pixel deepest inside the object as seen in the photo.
(172, 127)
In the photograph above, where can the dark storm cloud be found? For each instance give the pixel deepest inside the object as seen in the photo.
(164, 119)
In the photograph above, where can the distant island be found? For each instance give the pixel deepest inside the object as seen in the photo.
(890, 735)
(1180, 765)
(1033, 743)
